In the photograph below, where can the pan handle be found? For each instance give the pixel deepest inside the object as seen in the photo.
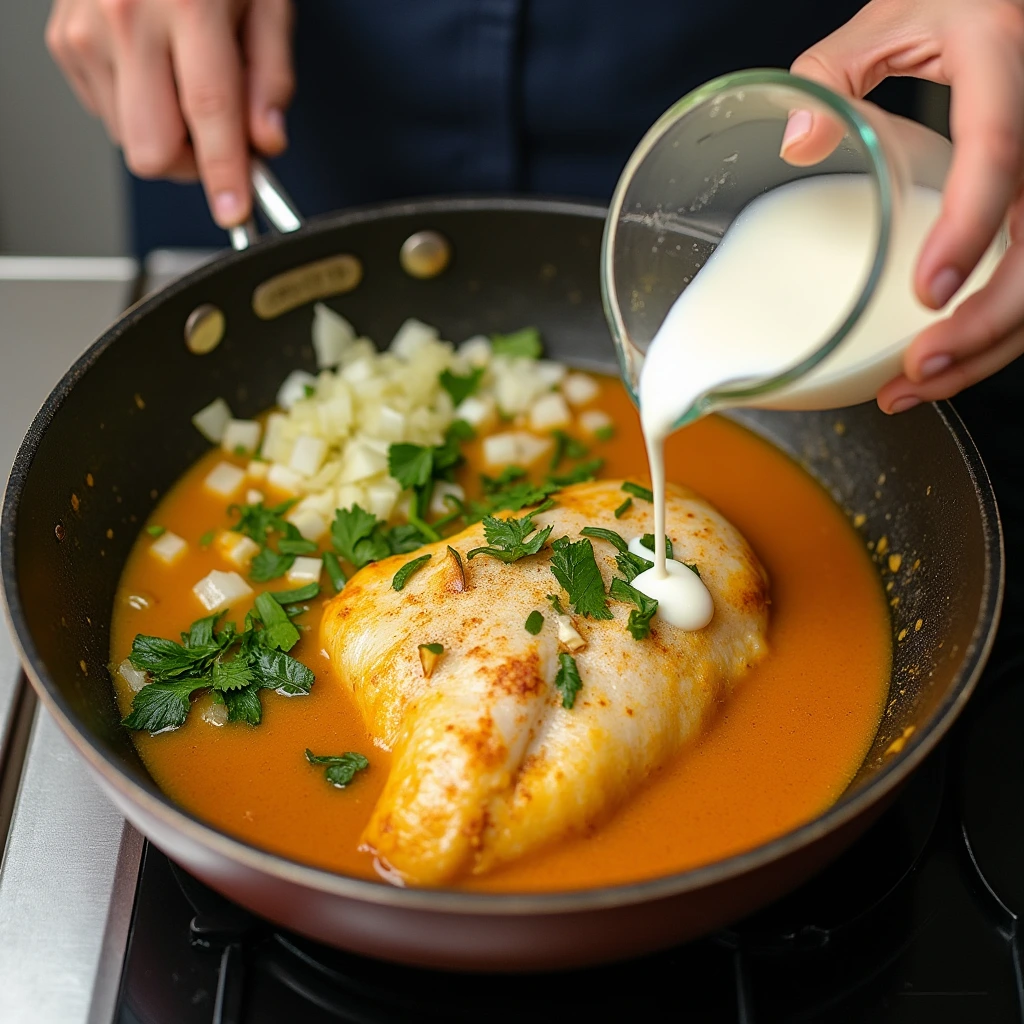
(275, 203)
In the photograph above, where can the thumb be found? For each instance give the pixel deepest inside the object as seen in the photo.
(271, 80)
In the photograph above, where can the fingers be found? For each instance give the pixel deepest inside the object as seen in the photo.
(271, 79)
(153, 133)
(987, 125)
(208, 69)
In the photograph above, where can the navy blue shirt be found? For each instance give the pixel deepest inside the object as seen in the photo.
(404, 98)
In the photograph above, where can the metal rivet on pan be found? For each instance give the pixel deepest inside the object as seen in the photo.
(204, 329)
(425, 254)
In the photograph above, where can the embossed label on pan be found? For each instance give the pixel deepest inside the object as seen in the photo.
(318, 280)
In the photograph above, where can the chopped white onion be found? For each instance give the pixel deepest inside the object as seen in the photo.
(568, 634)
(390, 424)
(219, 589)
(381, 498)
(254, 497)
(310, 524)
(442, 489)
(476, 350)
(308, 455)
(479, 411)
(237, 548)
(361, 461)
(224, 479)
(277, 446)
(211, 420)
(580, 388)
(549, 412)
(548, 372)
(293, 389)
(593, 420)
(304, 570)
(241, 436)
(411, 337)
(515, 447)
(332, 334)
(134, 677)
(215, 714)
(358, 372)
(257, 469)
(168, 547)
(283, 479)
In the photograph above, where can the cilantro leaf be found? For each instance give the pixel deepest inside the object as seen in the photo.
(244, 705)
(599, 533)
(567, 679)
(631, 565)
(358, 536)
(341, 768)
(166, 660)
(298, 595)
(521, 344)
(637, 491)
(510, 538)
(639, 622)
(556, 604)
(459, 387)
(647, 540)
(269, 565)
(509, 475)
(623, 508)
(257, 521)
(231, 675)
(412, 465)
(403, 538)
(293, 543)
(605, 433)
(156, 531)
(567, 447)
(512, 497)
(334, 571)
(534, 622)
(279, 631)
(158, 707)
(403, 575)
(275, 670)
(574, 566)
(200, 634)
(578, 474)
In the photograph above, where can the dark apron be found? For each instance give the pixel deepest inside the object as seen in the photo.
(403, 98)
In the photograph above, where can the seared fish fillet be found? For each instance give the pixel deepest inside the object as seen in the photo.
(488, 765)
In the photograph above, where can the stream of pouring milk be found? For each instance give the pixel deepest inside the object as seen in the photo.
(782, 279)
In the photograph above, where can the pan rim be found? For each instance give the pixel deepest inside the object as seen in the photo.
(453, 901)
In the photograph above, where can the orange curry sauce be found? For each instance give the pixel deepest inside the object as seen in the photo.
(781, 749)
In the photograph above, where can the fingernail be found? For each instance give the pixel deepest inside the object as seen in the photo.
(944, 285)
(797, 127)
(904, 403)
(227, 207)
(934, 365)
(275, 119)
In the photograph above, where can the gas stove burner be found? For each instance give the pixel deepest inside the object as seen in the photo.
(863, 884)
(992, 795)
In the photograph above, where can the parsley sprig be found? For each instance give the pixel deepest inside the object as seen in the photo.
(417, 467)
(235, 666)
(461, 387)
(574, 566)
(522, 344)
(511, 539)
(262, 523)
(340, 769)
(567, 680)
(639, 622)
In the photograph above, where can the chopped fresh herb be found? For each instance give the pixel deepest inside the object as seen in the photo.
(258, 521)
(605, 433)
(522, 344)
(240, 449)
(429, 654)
(567, 447)
(334, 571)
(156, 531)
(578, 474)
(207, 538)
(567, 679)
(293, 543)
(692, 566)
(514, 498)
(425, 530)
(244, 705)
(574, 566)
(509, 475)
(208, 658)
(308, 390)
(403, 575)
(279, 631)
(638, 492)
(403, 538)
(298, 595)
(341, 769)
(460, 569)
(599, 533)
(268, 565)
(510, 539)
(623, 508)
(639, 622)
(647, 541)
(631, 565)
(417, 466)
(534, 622)
(358, 536)
(459, 387)
(556, 603)
(412, 465)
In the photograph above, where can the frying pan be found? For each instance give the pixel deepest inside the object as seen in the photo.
(115, 435)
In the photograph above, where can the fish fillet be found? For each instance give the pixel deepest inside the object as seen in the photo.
(488, 766)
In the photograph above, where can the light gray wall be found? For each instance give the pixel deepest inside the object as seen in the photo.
(61, 186)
